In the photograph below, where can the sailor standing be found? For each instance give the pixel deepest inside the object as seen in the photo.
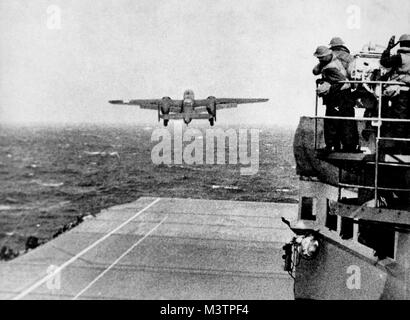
(399, 95)
(339, 134)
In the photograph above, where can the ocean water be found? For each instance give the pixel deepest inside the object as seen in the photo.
(50, 176)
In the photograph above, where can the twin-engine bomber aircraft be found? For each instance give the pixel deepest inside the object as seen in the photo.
(188, 108)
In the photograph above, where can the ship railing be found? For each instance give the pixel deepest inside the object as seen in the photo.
(377, 122)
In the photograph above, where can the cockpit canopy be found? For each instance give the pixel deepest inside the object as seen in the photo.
(189, 94)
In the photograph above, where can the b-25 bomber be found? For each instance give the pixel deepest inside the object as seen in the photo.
(188, 108)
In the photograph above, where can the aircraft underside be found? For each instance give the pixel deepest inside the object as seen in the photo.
(187, 118)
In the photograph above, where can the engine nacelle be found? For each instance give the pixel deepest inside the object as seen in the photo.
(166, 103)
(211, 107)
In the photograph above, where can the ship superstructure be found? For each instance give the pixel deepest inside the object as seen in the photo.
(353, 224)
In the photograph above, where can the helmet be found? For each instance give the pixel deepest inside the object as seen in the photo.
(405, 40)
(322, 51)
(336, 41)
(404, 37)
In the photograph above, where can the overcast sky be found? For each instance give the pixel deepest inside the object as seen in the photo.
(122, 49)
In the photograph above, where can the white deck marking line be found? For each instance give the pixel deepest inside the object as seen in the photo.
(67, 263)
(118, 259)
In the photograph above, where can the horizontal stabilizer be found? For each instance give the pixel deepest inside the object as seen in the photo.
(201, 116)
(172, 116)
(176, 116)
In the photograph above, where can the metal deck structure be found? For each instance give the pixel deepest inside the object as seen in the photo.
(161, 248)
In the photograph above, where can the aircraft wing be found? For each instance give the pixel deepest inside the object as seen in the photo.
(151, 104)
(238, 101)
(225, 103)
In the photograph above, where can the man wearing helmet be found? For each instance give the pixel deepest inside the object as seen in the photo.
(339, 103)
(340, 51)
(399, 95)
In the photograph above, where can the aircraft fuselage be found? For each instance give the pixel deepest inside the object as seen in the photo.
(188, 105)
